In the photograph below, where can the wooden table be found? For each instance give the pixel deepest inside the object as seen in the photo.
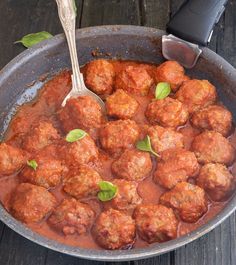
(20, 17)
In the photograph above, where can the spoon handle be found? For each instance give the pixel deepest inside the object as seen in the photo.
(67, 15)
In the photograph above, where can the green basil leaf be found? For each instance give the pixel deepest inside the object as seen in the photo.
(32, 163)
(34, 38)
(162, 90)
(107, 191)
(75, 135)
(145, 145)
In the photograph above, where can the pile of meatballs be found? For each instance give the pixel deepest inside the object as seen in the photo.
(190, 177)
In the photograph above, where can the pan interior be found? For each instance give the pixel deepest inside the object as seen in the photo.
(21, 79)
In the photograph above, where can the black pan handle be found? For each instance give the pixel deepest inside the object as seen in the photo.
(195, 20)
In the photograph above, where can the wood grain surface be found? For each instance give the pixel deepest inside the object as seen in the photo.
(20, 17)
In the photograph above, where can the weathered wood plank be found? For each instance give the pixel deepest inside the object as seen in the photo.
(226, 45)
(22, 17)
(2, 226)
(55, 258)
(165, 259)
(104, 12)
(15, 249)
(155, 13)
(215, 248)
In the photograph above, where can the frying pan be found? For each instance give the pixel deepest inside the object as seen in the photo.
(126, 42)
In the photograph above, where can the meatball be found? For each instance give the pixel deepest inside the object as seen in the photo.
(171, 72)
(132, 165)
(40, 136)
(196, 94)
(83, 112)
(12, 159)
(71, 217)
(114, 230)
(47, 174)
(82, 182)
(167, 112)
(135, 80)
(80, 152)
(165, 138)
(127, 196)
(211, 146)
(121, 105)
(99, 76)
(214, 117)
(115, 136)
(175, 165)
(216, 180)
(188, 200)
(31, 203)
(155, 223)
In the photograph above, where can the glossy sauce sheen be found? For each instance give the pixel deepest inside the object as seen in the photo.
(46, 104)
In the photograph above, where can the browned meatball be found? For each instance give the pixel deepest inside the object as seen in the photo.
(135, 80)
(175, 165)
(82, 182)
(165, 138)
(171, 72)
(80, 152)
(127, 196)
(215, 117)
(132, 165)
(115, 136)
(188, 200)
(47, 174)
(83, 112)
(167, 112)
(40, 136)
(31, 203)
(155, 223)
(71, 217)
(12, 159)
(211, 146)
(114, 230)
(99, 76)
(196, 94)
(216, 180)
(121, 105)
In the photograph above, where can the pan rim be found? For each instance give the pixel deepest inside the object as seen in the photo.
(115, 255)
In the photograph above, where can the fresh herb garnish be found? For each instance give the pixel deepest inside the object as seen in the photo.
(162, 90)
(34, 38)
(33, 164)
(107, 191)
(75, 135)
(145, 145)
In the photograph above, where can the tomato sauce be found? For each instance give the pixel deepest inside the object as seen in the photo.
(46, 105)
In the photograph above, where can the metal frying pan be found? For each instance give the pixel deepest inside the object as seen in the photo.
(127, 42)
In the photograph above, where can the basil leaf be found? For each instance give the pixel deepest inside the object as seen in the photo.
(162, 90)
(32, 163)
(34, 38)
(75, 135)
(107, 191)
(145, 145)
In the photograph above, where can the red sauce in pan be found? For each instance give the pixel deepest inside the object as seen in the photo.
(46, 104)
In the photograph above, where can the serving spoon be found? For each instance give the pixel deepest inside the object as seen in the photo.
(67, 15)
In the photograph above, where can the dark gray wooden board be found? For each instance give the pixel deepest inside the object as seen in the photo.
(20, 17)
